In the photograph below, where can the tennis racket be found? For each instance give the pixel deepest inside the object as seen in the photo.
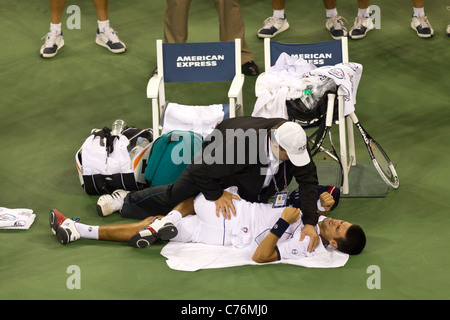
(326, 159)
(379, 157)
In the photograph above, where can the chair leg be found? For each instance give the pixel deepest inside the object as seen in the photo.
(343, 144)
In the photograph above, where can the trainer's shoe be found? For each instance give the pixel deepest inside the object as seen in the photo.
(336, 27)
(361, 26)
(56, 219)
(158, 229)
(448, 30)
(422, 26)
(53, 42)
(108, 38)
(272, 27)
(110, 203)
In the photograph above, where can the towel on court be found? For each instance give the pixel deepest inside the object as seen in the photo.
(16, 218)
(199, 119)
(196, 256)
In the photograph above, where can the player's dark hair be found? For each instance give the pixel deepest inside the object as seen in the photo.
(354, 241)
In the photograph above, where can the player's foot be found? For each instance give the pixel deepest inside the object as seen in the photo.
(108, 38)
(63, 227)
(110, 203)
(336, 27)
(158, 229)
(422, 26)
(56, 219)
(272, 27)
(53, 42)
(361, 26)
(448, 30)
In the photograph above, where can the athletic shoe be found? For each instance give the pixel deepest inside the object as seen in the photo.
(63, 227)
(272, 27)
(250, 68)
(448, 30)
(56, 219)
(158, 229)
(422, 26)
(53, 42)
(109, 203)
(108, 38)
(361, 26)
(336, 27)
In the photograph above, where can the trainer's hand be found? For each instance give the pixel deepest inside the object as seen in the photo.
(310, 231)
(225, 204)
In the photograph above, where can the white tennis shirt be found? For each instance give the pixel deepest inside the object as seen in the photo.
(251, 225)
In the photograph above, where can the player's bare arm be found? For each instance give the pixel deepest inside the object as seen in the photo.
(266, 251)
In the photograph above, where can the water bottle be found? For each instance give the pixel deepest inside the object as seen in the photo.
(117, 127)
(141, 143)
(308, 97)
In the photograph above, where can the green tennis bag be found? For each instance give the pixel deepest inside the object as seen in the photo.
(170, 155)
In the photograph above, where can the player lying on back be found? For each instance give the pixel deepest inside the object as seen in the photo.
(271, 233)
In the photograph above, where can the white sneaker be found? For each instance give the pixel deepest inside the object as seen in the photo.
(422, 26)
(448, 30)
(361, 26)
(158, 229)
(336, 27)
(108, 38)
(53, 42)
(272, 27)
(109, 203)
(67, 232)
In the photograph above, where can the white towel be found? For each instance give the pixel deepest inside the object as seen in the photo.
(289, 77)
(16, 218)
(199, 119)
(196, 256)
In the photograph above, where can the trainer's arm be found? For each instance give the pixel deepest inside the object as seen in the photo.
(266, 251)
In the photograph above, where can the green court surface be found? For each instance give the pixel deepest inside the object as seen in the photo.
(48, 107)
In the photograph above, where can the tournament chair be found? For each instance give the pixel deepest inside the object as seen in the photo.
(320, 54)
(191, 62)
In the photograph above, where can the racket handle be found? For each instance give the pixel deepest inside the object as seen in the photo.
(354, 117)
(330, 109)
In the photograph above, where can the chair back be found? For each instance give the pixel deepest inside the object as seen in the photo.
(190, 62)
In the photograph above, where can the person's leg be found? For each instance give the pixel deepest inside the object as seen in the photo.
(275, 24)
(54, 38)
(363, 23)
(334, 23)
(106, 36)
(176, 21)
(231, 26)
(158, 200)
(419, 21)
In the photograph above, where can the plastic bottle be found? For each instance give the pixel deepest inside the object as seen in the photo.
(117, 127)
(141, 143)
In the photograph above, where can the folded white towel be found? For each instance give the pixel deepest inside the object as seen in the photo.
(16, 218)
(199, 119)
(196, 256)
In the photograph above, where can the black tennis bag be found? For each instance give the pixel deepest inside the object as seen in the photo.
(313, 115)
(106, 163)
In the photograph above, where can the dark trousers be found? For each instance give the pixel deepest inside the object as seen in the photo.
(158, 200)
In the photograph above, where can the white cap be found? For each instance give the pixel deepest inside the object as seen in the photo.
(292, 138)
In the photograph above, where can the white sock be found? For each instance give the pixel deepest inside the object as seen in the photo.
(86, 231)
(278, 14)
(55, 27)
(419, 12)
(331, 12)
(173, 216)
(363, 12)
(103, 24)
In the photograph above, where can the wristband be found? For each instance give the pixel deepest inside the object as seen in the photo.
(280, 227)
